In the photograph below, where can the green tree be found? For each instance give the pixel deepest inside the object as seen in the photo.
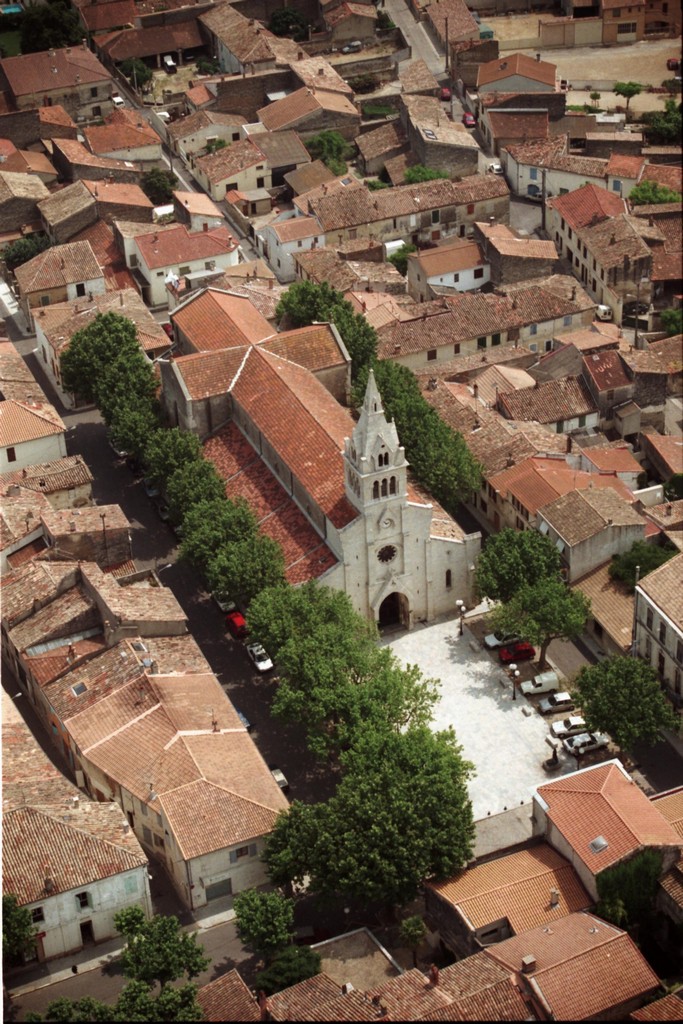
(135, 1003)
(543, 611)
(384, 22)
(650, 193)
(627, 90)
(156, 950)
(76, 1011)
(647, 556)
(215, 144)
(265, 921)
(375, 185)
(673, 488)
(196, 482)
(305, 302)
(159, 186)
(627, 891)
(24, 249)
(49, 26)
(168, 450)
(399, 259)
(412, 932)
(99, 353)
(289, 22)
(622, 696)
(595, 97)
(130, 427)
(136, 71)
(663, 127)
(292, 965)
(332, 148)
(18, 930)
(672, 321)
(246, 567)
(513, 559)
(418, 172)
(209, 526)
(401, 814)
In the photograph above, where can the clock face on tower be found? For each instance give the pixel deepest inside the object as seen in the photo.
(387, 523)
(387, 553)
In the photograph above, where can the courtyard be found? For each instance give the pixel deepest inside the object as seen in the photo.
(504, 739)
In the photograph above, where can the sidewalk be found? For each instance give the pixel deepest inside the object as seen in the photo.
(101, 956)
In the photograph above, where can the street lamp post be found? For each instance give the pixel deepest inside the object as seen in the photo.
(514, 676)
(460, 605)
(642, 280)
(103, 517)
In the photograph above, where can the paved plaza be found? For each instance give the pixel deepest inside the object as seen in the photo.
(504, 739)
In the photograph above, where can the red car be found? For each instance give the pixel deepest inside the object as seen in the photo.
(237, 625)
(522, 651)
(673, 64)
(445, 93)
(469, 120)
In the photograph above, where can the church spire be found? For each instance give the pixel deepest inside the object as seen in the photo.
(373, 424)
(376, 467)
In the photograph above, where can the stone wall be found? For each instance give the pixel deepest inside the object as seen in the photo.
(465, 62)
(109, 212)
(245, 95)
(459, 161)
(17, 211)
(25, 128)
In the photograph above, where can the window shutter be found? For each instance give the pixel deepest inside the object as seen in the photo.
(252, 849)
(233, 856)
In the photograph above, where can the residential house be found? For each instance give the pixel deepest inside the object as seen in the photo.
(368, 275)
(160, 259)
(284, 152)
(415, 77)
(59, 274)
(664, 237)
(450, 21)
(467, 56)
(613, 458)
(564, 405)
(610, 620)
(71, 77)
(242, 44)
(667, 1008)
(546, 168)
(101, 18)
(120, 201)
(669, 900)
(656, 374)
(28, 127)
(191, 135)
(592, 230)
(31, 430)
(19, 198)
(308, 176)
(609, 975)
(640, 21)
(502, 128)
(55, 326)
(597, 818)
(609, 383)
(348, 210)
(28, 162)
(70, 862)
(380, 145)
(339, 490)
(659, 624)
(663, 453)
(434, 140)
(97, 533)
(126, 135)
(513, 259)
(506, 896)
(351, 21)
(67, 212)
(589, 526)
(22, 535)
(66, 482)
(196, 211)
(517, 73)
(456, 265)
(74, 160)
(279, 241)
(176, 38)
(311, 110)
(240, 166)
(668, 517)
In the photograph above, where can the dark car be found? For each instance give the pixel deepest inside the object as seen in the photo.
(522, 651)
(237, 624)
(635, 308)
(673, 64)
(469, 120)
(445, 93)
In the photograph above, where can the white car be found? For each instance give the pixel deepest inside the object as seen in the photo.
(603, 312)
(543, 683)
(496, 168)
(585, 742)
(279, 777)
(570, 726)
(556, 702)
(259, 657)
(224, 604)
(494, 640)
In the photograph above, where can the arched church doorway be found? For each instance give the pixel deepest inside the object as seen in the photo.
(393, 610)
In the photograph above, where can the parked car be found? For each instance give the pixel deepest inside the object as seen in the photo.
(673, 64)
(151, 488)
(237, 624)
(585, 742)
(224, 604)
(494, 640)
(469, 120)
(118, 451)
(445, 93)
(244, 720)
(353, 47)
(496, 168)
(561, 701)
(603, 312)
(571, 726)
(258, 655)
(168, 327)
(118, 101)
(279, 777)
(535, 197)
(163, 511)
(635, 308)
(520, 651)
(134, 465)
(543, 683)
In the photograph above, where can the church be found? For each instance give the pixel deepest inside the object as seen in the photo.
(336, 494)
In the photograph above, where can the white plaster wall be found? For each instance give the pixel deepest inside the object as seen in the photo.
(30, 453)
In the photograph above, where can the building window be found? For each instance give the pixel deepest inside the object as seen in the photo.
(533, 329)
(387, 553)
(559, 426)
(146, 835)
(45, 300)
(449, 578)
(679, 651)
(484, 506)
(610, 396)
(649, 618)
(260, 182)
(97, 111)
(627, 29)
(662, 632)
(241, 852)
(533, 173)
(82, 900)
(677, 681)
(392, 485)
(569, 233)
(436, 216)
(616, 186)
(456, 349)
(431, 354)
(158, 841)
(37, 915)
(660, 664)
(648, 649)
(470, 207)
(478, 273)
(495, 339)
(582, 421)
(93, 92)
(456, 278)
(567, 321)
(375, 489)
(184, 270)
(11, 455)
(481, 343)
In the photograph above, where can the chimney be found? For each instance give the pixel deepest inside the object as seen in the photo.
(434, 975)
(72, 526)
(84, 43)
(538, 57)
(346, 988)
(573, 292)
(613, 240)
(492, 221)
(262, 1001)
(71, 653)
(528, 963)
(669, 509)
(536, 384)
(554, 897)
(13, 490)
(569, 443)
(205, 226)
(321, 71)
(300, 55)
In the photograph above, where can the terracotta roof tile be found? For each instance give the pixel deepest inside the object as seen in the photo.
(381, 140)
(315, 347)
(50, 477)
(192, 123)
(580, 515)
(78, 155)
(123, 129)
(227, 998)
(350, 10)
(611, 605)
(295, 228)
(616, 460)
(664, 587)
(298, 105)
(308, 176)
(170, 248)
(60, 321)
(461, 24)
(622, 165)
(606, 369)
(587, 205)
(246, 38)
(510, 125)
(317, 73)
(669, 450)
(537, 151)
(663, 174)
(114, 14)
(670, 805)
(34, 72)
(537, 481)
(217, 320)
(507, 243)
(26, 186)
(417, 77)
(144, 42)
(198, 95)
(458, 254)
(56, 114)
(56, 267)
(667, 1008)
(21, 422)
(231, 160)
(517, 64)
(549, 401)
(119, 193)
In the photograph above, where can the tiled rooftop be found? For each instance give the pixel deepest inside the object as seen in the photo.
(611, 605)
(664, 587)
(668, 449)
(316, 72)
(612, 459)
(228, 998)
(71, 263)
(53, 70)
(453, 256)
(298, 105)
(27, 421)
(231, 160)
(507, 243)
(669, 1007)
(580, 515)
(587, 205)
(381, 140)
(308, 176)
(216, 319)
(65, 474)
(416, 77)
(295, 228)
(606, 370)
(537, 481)
(192, 123)
(174, 247)
(78, 155)
(548, 401)
(59, 322)
(517, 64)
(25, 186)
(246, 38)
(506, 124)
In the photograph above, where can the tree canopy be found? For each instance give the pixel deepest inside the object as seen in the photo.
(292, 965)
(18, 930)
(159, 185)
(157, 951)
(193, 483)
(627, 891)
(647, 556)
(135, 1003)
(265, 920)
(401, 813)
(627, 90)
(622, 696)
(136, 71)
(169, 449)
(286, 21)
(24, 249)
(650, 193)
(672, 321)
(305, 302)
(211, 525)
(51, 25)
(332, 148)
(541, 612)
(513, 559)
(418, 173)
(245, 567)
(664, 126)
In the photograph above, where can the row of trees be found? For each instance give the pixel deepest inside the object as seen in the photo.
(105, 365)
